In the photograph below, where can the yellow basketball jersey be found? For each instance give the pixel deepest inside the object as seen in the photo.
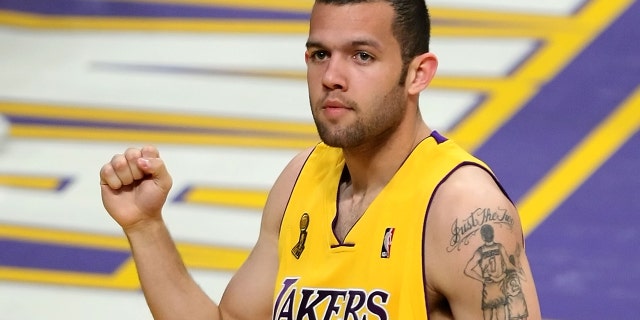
(377, 273)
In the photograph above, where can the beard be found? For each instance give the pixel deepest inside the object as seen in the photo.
(373, 124)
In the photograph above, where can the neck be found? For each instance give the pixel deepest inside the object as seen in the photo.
(371, 167)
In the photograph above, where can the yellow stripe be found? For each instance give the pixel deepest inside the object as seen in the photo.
(30, 182)
(253, 199)
(576, 167)
(126, 277)
(62, 278)
(480, 17)
(215, 258)
(558, 50)
(506, 31)
(486, 85)
(158, 137)
(474, 23)
(299, 5)
(63, 237)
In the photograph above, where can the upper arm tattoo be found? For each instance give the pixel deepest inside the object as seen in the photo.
(499, 271)
(463, 229)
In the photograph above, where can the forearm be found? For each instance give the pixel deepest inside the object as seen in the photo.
(170, 291)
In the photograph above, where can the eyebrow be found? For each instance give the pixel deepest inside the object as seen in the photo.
(354, 43)
(313, 44)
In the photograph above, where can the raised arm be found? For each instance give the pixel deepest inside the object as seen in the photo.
(475, 261)
(134, 187)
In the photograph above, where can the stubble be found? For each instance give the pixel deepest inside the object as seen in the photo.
(371, 125)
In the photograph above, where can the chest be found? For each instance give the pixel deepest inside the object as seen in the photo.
(375, 272)
(349, 211)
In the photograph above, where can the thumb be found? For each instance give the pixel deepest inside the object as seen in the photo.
(156, 169)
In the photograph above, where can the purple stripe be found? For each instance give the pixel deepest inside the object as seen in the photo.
(200, 71)
(182, 196)
(63, 184)
(585, 254)
(144, 9)
(47, 256)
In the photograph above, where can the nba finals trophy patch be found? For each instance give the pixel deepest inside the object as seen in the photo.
(299, 247)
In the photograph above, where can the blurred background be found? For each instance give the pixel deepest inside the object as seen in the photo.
(546, 92)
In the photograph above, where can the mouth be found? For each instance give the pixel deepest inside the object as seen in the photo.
(334, 110)
(334, 104)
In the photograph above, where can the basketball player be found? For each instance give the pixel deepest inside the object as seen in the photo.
(376, 222)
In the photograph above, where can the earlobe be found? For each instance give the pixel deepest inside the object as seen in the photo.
(422, 70)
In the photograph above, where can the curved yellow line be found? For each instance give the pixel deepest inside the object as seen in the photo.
(578, 165)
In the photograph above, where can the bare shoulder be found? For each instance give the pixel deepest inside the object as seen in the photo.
(475, 262)
(473, 192)
(281, 191)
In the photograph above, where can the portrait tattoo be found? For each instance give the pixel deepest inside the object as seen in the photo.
(500, 275)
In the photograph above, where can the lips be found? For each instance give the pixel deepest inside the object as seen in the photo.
(337, 102)
(334, 107)
(333, 110)
(334, 104)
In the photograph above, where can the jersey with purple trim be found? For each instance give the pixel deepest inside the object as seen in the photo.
(377, 272)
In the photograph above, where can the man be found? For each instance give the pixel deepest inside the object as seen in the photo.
(376, 222)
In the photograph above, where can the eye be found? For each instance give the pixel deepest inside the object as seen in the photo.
(318, 55)
(363, 56)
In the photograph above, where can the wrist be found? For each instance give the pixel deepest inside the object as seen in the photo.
(145, 228)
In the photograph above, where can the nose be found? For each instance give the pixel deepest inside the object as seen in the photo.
(334, 77)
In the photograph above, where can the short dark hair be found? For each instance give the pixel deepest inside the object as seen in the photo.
(411, 26)
(486, 232)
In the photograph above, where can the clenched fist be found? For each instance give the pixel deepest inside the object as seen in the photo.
(135, 186)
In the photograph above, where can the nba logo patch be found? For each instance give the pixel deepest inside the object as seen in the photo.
(386, 243)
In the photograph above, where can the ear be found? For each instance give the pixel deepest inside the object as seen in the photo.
(421, 71)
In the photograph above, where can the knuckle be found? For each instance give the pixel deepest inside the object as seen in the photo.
(150, 150)
(106, 170)
(119, 164)
(132, 154)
